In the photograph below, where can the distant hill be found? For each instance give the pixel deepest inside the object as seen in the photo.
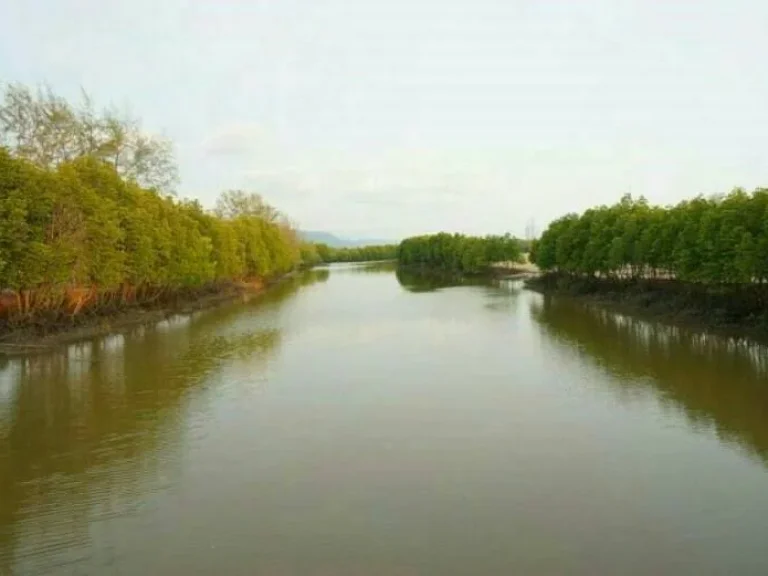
(337, 242)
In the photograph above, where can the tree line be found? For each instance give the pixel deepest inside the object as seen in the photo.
(87, 219)
(717, 240)
(376, 253)
(458, 253)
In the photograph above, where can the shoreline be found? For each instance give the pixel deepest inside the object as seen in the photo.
(730, 311)
(32, 339)
(670, 302)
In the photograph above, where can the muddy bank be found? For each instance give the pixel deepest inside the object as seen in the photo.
(738, 311)
(43, 334)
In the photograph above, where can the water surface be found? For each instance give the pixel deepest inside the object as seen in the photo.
(359, 421)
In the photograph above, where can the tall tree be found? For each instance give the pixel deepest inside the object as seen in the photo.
(234, 203)
(47, 130)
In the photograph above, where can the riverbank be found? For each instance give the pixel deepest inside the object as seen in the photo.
(738, 311)
(514, 269)
(41, 336)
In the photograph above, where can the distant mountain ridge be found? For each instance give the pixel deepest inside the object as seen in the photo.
(334, 241)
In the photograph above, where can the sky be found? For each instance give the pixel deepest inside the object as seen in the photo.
(389, 118)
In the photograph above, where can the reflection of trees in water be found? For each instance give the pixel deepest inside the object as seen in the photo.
(381, 267)
(714, 380)
(503, 295)
(86, 429)
(311, 276)
(418, 280)
(500, 295)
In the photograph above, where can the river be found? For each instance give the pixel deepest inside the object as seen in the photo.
(354, 421)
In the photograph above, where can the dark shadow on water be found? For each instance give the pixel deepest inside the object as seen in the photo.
(716, 382)
(419, 280)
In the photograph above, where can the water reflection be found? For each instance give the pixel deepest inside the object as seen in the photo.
(415, 280)
(86, 430)
(306, 278)
(359, 428)
(501, 295)
(379, 267)
(716, 382)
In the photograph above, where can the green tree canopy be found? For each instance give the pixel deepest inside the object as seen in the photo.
(717, 240)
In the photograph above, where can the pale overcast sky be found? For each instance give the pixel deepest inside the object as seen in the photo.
(392, 117)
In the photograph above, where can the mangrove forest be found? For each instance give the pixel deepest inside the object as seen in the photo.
(458, 253)
(89, 220)
(718, 240)
(708, 256)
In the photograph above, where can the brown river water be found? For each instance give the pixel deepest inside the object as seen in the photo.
(355, 421)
